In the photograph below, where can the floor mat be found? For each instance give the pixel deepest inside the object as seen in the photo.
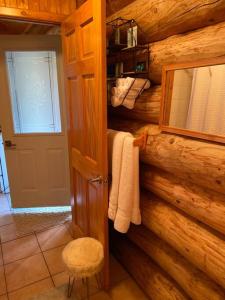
(35, 219)
(55, 294)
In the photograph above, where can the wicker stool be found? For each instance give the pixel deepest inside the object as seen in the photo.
(83, 258)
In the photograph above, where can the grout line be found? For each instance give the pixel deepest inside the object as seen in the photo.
(6, 287)
(45, 260)
(32, 232)
(19, 237)
(46, 250)
(10, 292)
(6, 224)
(51, 227)
(11, 262)
(40, 252)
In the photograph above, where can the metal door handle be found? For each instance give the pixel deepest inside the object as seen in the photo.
(9, 144)
(98, 179)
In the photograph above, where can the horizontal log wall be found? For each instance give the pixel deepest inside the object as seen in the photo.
(183, 228)
(202, 43)
(203, 204)
(153, 280)
(161, 19)
(192, 160)
(192, 280)
(196, 243)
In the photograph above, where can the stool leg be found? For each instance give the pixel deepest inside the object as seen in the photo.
(70, 287)
(87, 286)
(98, 281)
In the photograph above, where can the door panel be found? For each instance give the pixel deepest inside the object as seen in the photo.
(85, 74)
(26, 160)
(81, 209)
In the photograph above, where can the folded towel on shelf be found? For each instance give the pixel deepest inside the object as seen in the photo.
(124, 192)
(127, 90)
(138, 86)
(124, 82)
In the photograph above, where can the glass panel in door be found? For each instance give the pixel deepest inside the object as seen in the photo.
(34, 91)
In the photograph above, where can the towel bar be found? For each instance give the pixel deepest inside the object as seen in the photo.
(141, 141)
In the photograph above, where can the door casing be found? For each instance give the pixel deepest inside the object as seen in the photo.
(49, 197)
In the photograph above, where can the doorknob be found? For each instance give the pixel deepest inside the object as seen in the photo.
(99, 180)
(9, 144)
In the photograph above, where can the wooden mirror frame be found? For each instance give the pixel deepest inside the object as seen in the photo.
(167, 88)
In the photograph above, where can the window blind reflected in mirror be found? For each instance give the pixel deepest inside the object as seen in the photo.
(198, 99)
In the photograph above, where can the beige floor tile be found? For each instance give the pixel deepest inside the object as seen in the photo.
(102, 296)
(3, 297)
(20, 248)
(117, 272)
(2, 282)
(54, 261)
(31, 290)
(53, 237)
(6, 218)
(25, 271)
(127, 289)
(9, 233)
(1, 259)
(60, 279)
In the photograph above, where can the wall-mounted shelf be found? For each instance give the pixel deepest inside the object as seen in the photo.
(128, 53)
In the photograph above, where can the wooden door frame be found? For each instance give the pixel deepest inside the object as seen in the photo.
(17, 14)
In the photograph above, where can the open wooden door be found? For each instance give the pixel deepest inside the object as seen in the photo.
(85, 67)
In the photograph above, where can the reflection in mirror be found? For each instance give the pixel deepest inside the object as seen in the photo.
(198, 99)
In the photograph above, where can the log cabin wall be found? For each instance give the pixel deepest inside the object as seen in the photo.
(179, 250)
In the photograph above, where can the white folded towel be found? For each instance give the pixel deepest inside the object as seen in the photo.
(127, 90)
(138, 86)
(124, 194)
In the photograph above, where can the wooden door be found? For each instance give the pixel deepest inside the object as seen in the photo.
(85, 67)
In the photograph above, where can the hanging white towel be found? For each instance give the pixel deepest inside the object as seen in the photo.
(124, 193)
(116, 143)
(128, 199)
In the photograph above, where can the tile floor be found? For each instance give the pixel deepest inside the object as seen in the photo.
(32, 264)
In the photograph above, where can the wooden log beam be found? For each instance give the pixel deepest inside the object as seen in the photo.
(195, 242)
(203, 43)
(203, 204)
(161, 19)
(200, 162)
(194, 282)
(112, 6)
(153, 280)
(147, 107)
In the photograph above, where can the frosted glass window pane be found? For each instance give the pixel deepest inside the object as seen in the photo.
(34, 91)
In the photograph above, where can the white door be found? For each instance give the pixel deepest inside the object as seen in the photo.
(33, 121)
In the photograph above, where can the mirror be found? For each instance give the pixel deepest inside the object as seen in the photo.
(193, 101)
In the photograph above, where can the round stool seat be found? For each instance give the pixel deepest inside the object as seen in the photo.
(83, 257)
